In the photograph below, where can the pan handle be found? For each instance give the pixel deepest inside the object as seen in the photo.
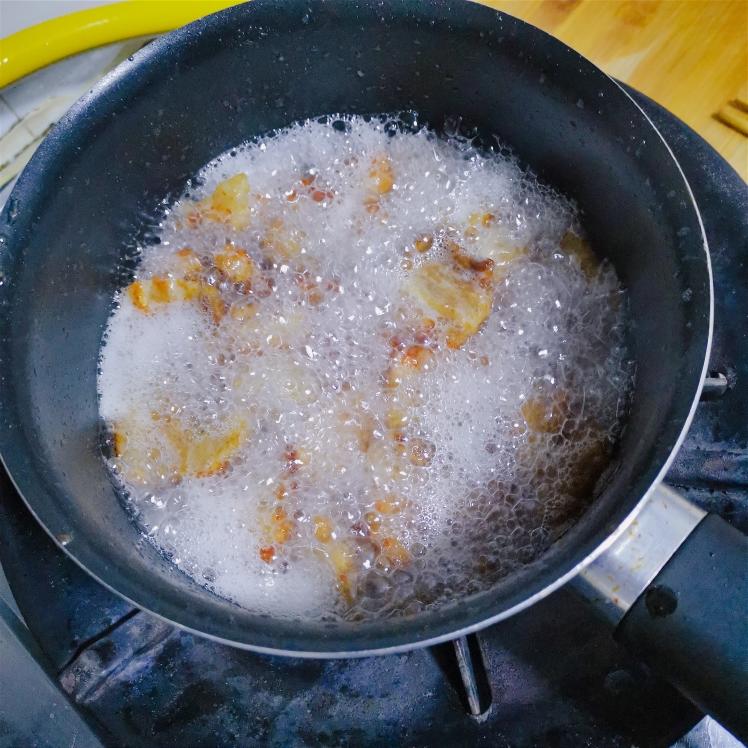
(675, 586)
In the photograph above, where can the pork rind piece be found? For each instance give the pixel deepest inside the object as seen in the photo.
(380, 180)
(142, 454)
(229, 204)
(281, 241)
(156, 450)
(485, 238)
(204, 454)
(580, 251)
(150, 294)
(381, 175)
(545, 413)
(235, 264)
(464, 303)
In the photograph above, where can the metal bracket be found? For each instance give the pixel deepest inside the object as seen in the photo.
(715, 385)
(615, 580)
(473, 674)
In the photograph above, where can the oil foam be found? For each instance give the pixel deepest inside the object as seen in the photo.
(312, 442)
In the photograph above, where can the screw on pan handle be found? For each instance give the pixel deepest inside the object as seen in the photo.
(691, 623)
(674, 584)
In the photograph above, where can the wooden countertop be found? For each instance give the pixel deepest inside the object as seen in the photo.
(691, 56)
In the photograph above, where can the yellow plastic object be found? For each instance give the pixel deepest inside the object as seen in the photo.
(37, 46)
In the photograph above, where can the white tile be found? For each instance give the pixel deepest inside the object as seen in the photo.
(14, 143)
(26, 95)
(8, 117)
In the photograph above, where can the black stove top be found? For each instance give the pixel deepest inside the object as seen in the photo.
(553, 675)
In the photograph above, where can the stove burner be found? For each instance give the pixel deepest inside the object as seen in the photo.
(549, 676)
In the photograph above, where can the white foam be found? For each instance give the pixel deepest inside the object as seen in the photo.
(306, 376)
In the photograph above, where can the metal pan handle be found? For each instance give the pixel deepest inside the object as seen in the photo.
(675, 586)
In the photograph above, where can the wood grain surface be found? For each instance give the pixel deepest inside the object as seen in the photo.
(691, 56)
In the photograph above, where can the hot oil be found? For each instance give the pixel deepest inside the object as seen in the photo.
(312, 433)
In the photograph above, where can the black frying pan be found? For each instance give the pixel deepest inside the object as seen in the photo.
(86, 199)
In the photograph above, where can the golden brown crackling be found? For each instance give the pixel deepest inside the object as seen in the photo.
(280, 240)
(394, 553)
(464, 303)
(545, 413)
(228, 203)
(486, 240)
(423, 243)
(235, 264)
(381, 175)
(323, 529)
(579, 249)
(203, 455)
(188, 263)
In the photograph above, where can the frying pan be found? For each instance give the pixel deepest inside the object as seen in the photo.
(86, 199)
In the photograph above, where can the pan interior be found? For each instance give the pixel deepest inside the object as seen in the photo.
(86, 201)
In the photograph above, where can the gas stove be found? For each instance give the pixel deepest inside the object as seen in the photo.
(550, 676)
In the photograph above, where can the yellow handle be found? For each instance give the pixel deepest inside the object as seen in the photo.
(37, 46)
